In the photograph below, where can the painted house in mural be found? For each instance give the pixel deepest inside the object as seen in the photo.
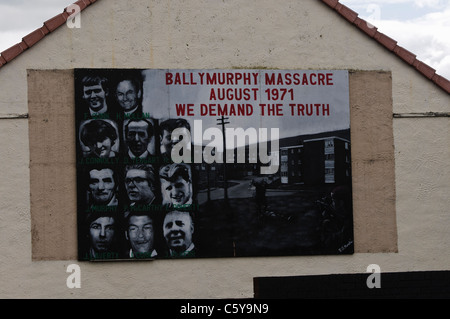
(316, 160)
(310, 160)
(326, 160)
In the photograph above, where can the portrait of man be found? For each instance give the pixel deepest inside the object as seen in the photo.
(101, 236)
(99, 138)
(102, 187)
(140, 233)
(176, 184)
(140, 184)
(167, 141)
(129, 95)
(178, 230)
(95, 93)
(139, 137)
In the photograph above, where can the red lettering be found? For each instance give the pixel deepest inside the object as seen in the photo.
(183, 109)
(330, 79)
(326, 110)
(288, 79)
(321, 79)
(272, 109)
(296, 79)
(226, 109)
(238, 77)
(270, 79)
(230, 78)
(169, 78)
(190, 110)
(222, 111)
(301, 109)
(280, 79)
(237, 94)
(305, 80)
(310, 109)
(177, 79)
(212, 95)
(299, 79)
(203, 109)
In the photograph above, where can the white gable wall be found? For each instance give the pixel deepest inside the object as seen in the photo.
(209, 34)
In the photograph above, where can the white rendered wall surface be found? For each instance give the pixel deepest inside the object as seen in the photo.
(285, 34)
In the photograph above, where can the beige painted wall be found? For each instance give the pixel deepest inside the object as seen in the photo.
(223, 34)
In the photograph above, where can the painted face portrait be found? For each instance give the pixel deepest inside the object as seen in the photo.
(102, 147)
(99, 137)
(138, 186)
(166, 142)
(140, 233)
(176, 184)
(95, 96)
(178, 229)
(101, 233)
(167, 127)
(138, 137)
(128, 95)
(102, 186)
(177, 191)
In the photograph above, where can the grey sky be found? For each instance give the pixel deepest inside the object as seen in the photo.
(420, 26)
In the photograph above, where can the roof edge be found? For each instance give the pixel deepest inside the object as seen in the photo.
(390, 44)
(351, 16)
(37, 35)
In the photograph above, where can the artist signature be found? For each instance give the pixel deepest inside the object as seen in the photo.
(343, 247)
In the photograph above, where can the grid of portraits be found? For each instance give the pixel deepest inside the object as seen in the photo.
(133, 200)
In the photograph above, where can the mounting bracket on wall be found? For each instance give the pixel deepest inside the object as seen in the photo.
(13, 116)
(425, 114)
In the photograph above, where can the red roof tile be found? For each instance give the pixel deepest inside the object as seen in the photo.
(34, 37)
(55, 22)
(369, 29)
(351, 16)
(37, 35)
(407, 56)
(12, 52)
(389, 44)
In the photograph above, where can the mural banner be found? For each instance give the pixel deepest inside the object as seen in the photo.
(212, 163)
